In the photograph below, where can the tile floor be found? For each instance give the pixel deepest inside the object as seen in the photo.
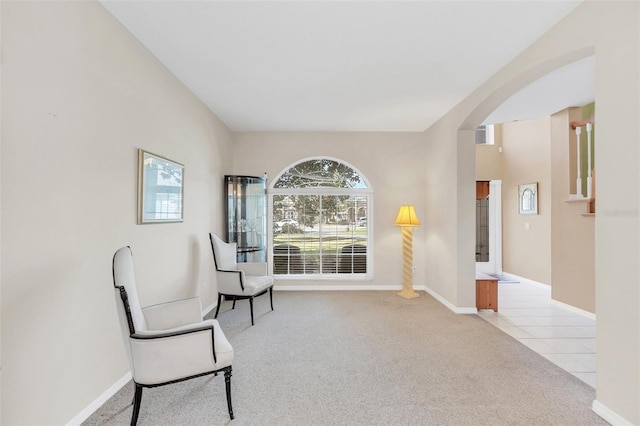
(564, 337)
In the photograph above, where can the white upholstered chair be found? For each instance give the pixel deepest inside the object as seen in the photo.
(169, 342)
(238, 280)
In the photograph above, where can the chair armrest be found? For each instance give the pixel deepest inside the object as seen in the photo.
(255, 268)
(230, 281)
(178, 331)
(173, 314)
(170, 355)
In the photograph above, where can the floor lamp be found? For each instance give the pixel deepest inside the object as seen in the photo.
(407, 219)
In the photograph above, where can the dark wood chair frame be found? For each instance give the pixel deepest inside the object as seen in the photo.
(235, 297)
(137, 398)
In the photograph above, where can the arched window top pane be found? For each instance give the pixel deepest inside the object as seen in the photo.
(320, 173)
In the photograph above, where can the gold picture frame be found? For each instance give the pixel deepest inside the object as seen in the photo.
(160, 189)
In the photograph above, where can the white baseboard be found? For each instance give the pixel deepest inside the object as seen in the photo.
(609, 415)
(209, 309)
(526, 280)
(341, 287)
(360, 287)
(98, 402)
(449, 305)
(571, 308)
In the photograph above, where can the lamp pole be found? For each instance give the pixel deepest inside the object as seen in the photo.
(407, 267)
(407, 219)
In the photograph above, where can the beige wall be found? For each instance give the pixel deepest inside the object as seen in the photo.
(569, 258)
(526, 239)
(572, 234)
(618, 206)
(489, 158)
(79, 96)
(391, 162)
(80, 93)
(1, 133)
(615, 39)
(450, 195)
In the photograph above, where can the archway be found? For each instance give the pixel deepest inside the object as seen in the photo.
(569, 58)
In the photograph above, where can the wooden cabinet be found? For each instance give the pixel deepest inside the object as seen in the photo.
(486, 292)
(482, 189)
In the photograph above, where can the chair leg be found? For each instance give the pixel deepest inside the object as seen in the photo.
(136, 405)
(218, 307)
(271, 297)
(227, 381)
(234, 303)
(251, 308)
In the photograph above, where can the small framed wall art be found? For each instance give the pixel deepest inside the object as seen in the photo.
(528, 198)
(160, 189)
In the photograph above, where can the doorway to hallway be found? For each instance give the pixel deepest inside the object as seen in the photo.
(489, 227)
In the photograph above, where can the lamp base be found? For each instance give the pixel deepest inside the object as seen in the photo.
(408, 293)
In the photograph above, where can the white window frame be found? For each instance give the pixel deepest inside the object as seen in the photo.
(368, 192)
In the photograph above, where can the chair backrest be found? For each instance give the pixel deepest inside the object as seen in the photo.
(224, 254)
(129, 309)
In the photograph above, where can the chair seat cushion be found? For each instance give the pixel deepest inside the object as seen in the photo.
(256, 283)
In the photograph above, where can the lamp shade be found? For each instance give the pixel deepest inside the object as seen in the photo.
(407, 217)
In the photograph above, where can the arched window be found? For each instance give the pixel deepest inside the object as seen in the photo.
(321, 221)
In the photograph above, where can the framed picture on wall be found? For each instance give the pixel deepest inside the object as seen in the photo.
(528, 198)
(160, 189)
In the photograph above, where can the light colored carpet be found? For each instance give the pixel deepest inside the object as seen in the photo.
(366, 358)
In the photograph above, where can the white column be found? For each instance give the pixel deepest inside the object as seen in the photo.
(578, 179)
(589, 179)
(496, 198)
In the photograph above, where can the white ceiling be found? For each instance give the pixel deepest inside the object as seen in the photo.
(350, 65)
(572, 85)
